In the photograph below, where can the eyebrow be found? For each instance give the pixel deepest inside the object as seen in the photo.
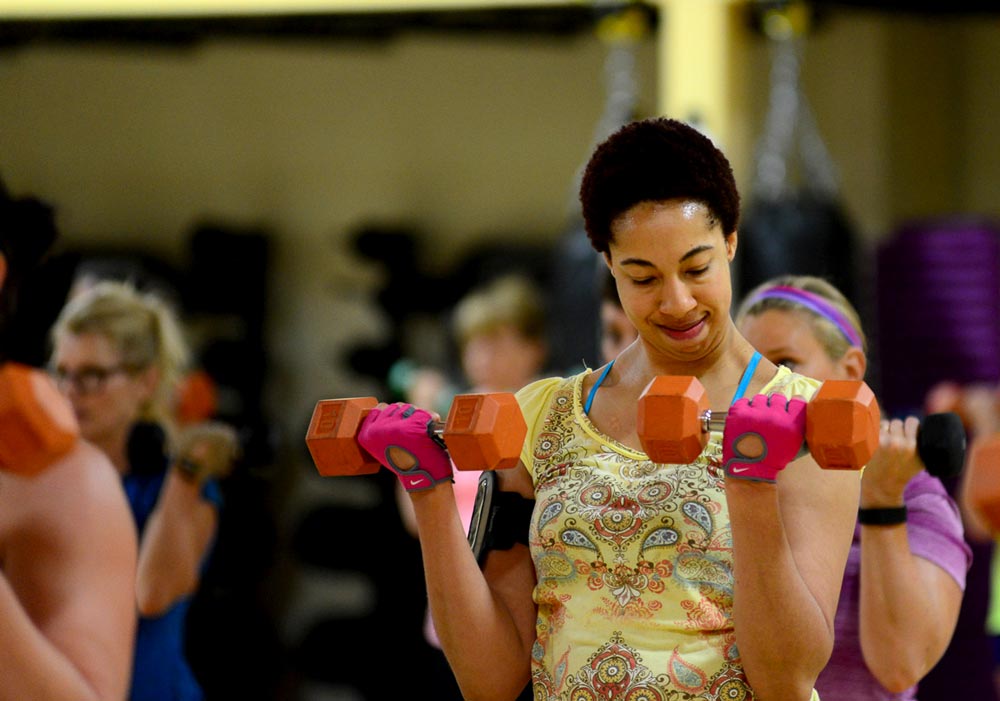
(690, 254)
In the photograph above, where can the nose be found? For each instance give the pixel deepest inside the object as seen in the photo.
(676, 300)
(71, 390)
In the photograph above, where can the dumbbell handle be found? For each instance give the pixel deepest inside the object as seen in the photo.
(716, 420)
(435, 429)
(712, 420)
(483, 432)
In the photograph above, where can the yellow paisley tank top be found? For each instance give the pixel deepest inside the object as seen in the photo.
(633, 560)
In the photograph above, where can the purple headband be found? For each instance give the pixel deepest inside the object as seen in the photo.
(814, 303)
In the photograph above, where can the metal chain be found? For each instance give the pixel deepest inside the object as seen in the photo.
(789, 116)
(621, 98)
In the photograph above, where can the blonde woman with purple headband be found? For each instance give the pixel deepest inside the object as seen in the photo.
(905, 574)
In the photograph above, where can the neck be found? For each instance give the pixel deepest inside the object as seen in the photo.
(719, 370)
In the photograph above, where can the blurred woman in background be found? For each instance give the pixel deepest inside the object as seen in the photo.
(118, 356)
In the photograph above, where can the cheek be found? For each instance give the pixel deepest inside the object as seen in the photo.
(637, 306)
(721, 290)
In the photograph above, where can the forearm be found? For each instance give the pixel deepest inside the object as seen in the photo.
(31, 666)
(486, 643)
(783, 635)
(173, 545)
(899, 647)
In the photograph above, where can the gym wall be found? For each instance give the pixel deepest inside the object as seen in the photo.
(468, 139)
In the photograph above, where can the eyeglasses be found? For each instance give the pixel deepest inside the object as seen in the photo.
(87, 380)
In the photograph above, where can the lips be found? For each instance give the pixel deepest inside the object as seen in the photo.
(683, 333)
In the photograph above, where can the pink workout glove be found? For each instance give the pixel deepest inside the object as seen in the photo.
(401, 437)
(762, 436)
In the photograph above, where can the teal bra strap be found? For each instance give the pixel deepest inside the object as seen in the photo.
(740, 390)
(593, 390)
(747, 376)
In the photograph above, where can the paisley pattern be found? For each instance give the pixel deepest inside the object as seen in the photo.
(634, 564)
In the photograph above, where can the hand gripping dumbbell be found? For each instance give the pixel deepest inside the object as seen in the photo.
(482, 432)
(842, 422)
(37, 424)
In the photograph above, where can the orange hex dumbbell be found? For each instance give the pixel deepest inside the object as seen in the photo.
(482, 432)
(37, 424)
(842, 422)
(982, 481)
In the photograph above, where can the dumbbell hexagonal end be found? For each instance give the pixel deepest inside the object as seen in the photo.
(37, 424)
(669, 420)
(485, 431)
(332, 437)
(842, 425)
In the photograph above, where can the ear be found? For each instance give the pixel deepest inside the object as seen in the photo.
(607, 261)
(731, 242)
(3, 270)
(853, 364)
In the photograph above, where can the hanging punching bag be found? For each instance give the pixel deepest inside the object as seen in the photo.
(574, 283)
(794, 221)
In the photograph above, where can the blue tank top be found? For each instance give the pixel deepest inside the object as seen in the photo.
(160, 671)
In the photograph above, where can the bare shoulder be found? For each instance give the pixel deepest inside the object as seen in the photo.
(80, 491)
(69, 549)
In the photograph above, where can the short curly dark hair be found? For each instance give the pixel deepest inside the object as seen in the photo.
(655, 160)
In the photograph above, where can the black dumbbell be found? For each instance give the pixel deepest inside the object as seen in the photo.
(941, 444)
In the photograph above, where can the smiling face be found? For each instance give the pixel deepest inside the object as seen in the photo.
(671, 263)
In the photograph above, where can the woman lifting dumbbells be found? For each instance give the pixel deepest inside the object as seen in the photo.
(908, 554)
(118, 356)
(714, 579)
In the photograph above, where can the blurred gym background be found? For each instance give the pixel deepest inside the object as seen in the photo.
(320, 181)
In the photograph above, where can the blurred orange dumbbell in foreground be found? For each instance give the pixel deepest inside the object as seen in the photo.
(482, 432)
(37, 425)
(842, 422)
(982, 480)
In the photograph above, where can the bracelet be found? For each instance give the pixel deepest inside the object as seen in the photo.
(888, 516)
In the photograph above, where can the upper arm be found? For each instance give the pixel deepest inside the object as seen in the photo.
(947, 594)
(73, 567)
(175, 543)
(940, 553)
(511, 573)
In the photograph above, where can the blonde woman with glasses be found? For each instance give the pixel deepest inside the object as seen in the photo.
(118, 356)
